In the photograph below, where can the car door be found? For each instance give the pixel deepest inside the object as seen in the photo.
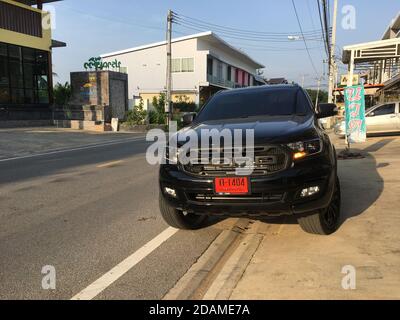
(382, 119)
(398, 116)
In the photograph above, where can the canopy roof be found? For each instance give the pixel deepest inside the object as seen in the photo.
(372, 51)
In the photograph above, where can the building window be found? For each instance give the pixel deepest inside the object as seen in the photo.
(4, 75)
(210, 66)
(219, 70)
(187, 64)
(176, 65)
(24, 75)
(183, 65)
(229, 73)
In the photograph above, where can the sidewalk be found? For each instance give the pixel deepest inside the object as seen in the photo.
(291, 264)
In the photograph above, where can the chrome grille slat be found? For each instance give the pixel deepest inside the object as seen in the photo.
(267, 160)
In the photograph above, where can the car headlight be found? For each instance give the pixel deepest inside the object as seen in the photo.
(303, 149)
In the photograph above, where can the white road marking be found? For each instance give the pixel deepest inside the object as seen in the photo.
(120, 269)
(91, 146)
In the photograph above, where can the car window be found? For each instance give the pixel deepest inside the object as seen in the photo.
(385, 109)
(257, 103)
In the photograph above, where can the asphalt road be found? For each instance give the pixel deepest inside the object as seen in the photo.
(83, 212)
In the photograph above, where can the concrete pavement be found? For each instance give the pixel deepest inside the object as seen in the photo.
(290, 264)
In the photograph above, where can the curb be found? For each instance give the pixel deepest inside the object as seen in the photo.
(198, 275)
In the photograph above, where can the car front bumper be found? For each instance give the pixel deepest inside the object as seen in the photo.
(272, 195)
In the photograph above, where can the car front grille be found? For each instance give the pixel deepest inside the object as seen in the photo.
(267, 160)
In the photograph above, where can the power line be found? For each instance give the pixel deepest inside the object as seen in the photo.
(242, 34)
(272, 48)
(119, 20)
(239, 37)
(241, 31)
(304, 39)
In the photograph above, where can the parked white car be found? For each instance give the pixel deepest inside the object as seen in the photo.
(382, 118)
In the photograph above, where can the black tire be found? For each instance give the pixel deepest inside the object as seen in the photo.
(325, 221)
(178, 219)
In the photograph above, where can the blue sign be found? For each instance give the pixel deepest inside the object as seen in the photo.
(356, 129)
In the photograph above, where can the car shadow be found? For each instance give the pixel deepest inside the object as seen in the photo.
(361, 187)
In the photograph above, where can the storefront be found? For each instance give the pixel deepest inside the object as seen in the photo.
(24, 76)
(25, 63)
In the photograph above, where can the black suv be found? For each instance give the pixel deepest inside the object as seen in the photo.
(294, 170)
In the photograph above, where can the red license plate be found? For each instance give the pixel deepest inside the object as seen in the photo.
(235, 185)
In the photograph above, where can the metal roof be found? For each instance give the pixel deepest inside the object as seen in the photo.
(208, 35)
(394, 25)
(372, 51)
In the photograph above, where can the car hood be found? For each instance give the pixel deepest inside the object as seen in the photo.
(272, 129)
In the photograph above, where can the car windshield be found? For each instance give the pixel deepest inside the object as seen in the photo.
(256, 103)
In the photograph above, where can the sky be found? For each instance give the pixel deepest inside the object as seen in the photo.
(93, 27)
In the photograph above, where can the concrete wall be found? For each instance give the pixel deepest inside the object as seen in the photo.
(101, 88)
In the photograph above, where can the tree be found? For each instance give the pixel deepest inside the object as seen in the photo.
(322, 97)
(62, 93)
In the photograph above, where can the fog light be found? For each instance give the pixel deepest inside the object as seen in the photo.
(308, 192)
(299, 155)
(170, 192)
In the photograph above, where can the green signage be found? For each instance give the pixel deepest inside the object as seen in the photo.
(97, 64)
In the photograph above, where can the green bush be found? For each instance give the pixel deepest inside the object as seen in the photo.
(137, 115)
(185, 106)
(158, 116)
(62, 93)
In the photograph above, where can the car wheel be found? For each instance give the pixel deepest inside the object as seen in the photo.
(177, 219)
(325, 221)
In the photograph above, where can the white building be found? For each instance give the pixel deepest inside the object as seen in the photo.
(202, 64)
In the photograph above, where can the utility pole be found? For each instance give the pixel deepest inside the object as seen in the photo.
(332, 62)
(168, 102)
(317, 98)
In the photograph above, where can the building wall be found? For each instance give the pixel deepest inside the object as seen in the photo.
(43, 43)
(146, 68)
(224, 55)
(148, 98)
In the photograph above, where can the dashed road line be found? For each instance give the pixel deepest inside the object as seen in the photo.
(110, 164)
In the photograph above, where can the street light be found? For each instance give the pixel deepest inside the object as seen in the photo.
(294, 38)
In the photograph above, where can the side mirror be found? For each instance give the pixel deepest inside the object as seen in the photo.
(326, 110)
(371, 114)
(188, 118)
